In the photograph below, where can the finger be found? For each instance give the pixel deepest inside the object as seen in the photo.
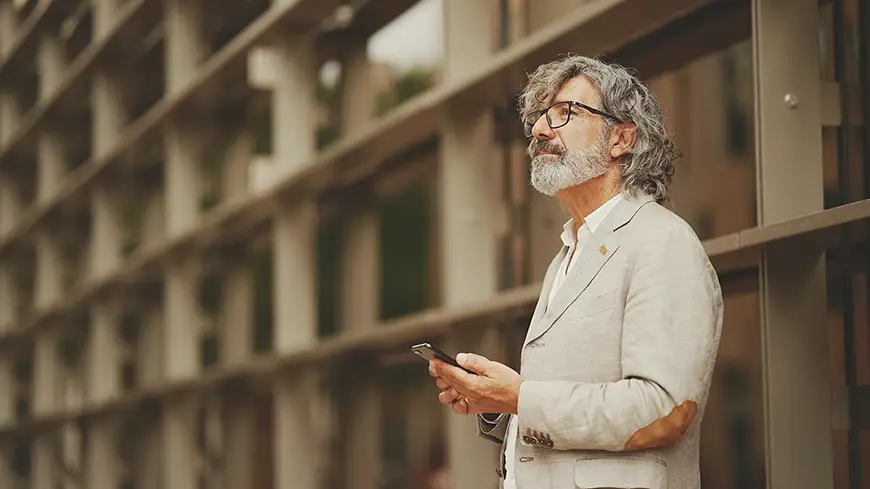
(432, 370)
(474, 362)
(448, 397)
(460, 406)
(442, 384)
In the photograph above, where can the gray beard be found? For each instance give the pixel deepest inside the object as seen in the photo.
(552, 173)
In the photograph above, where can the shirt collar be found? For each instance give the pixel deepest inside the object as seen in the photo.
(593, 220)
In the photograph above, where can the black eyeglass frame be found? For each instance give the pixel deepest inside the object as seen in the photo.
(527, 126)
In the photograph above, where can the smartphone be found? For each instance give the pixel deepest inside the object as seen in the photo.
(428, 352)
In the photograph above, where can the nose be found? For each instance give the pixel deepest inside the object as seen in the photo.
(541, 130)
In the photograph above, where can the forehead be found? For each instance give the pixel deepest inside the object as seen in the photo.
(579, 89)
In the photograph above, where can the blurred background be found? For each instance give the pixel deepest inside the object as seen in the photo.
(223, 223)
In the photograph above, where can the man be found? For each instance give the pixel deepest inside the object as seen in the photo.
(618, 358)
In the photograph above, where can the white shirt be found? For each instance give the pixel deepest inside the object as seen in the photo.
(575, 243)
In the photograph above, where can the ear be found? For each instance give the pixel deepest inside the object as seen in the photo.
(622, 140)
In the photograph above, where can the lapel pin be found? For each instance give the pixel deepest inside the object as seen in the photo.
(603, 250)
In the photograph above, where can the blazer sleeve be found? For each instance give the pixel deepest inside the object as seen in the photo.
(671, 327)
(492, 427)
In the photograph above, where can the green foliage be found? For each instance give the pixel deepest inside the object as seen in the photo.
(411, 83)
(404, 254)
(328, 278)
(262, 269)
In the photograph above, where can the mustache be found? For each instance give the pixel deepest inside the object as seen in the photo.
(538, 146)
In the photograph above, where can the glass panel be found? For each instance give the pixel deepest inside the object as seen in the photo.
(842, 40)
(708, 104)
(732, 440)
(848, 279)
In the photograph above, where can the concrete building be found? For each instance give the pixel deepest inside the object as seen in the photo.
(212, 264)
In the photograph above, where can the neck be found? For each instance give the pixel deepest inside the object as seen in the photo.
(582, 200)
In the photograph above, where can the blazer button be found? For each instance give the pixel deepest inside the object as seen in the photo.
(528, 440)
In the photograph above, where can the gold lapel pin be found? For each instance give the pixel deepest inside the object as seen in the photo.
(603, 250)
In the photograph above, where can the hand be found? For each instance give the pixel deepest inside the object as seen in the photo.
(496, 388)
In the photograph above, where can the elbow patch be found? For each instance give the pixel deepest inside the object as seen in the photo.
(665, 430)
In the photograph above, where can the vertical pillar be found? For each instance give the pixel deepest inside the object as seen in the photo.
(105, 13)
(468, 201)
(101, 460)
(8, 28)
(181, 208)
(237, 323)
(237, 160)
(42, 472)
(185, 49)
(49, 271)
(10, 205)
(109, 113)
(181, 326)
(7, 297)
(151, 343)
(543, 12)
(5, 469)
(296, 408)
(185, 44)
(10, 115)
(47, 371)
(7, 400)
(103, 368)
(239, 445)
(179, 462)
(52, 164)
(468, 207)
(792, 278)
(106, 239)
(52, 63)
(294, 240)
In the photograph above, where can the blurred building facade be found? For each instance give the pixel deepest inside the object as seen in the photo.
(223, 224)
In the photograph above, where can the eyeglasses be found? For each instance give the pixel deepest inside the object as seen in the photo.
(559, 114)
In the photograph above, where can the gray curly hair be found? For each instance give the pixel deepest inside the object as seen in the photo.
(649, 165)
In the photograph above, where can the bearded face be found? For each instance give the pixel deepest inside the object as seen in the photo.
(556, 168)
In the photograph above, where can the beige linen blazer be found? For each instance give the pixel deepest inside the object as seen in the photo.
(617, 371)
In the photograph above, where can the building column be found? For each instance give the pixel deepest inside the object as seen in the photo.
(181, 328)
(297, 464)
(105, 15)
(792, 278)
(10, 205)
(185, 44)
(10, 115)
(52, 64)
(239, 442)
(151, 354)
(7, 297)
(43, 473)
(185, 49)
(236, 326)
(52, 160)
(47, 371)
(236, 163)
(7, 402)
(8, 28)
(53, 164)
(106, 239)
(103, 368)
(49, 271)
(101, 458)
(469, 211)
(179, 449)
(469, 201)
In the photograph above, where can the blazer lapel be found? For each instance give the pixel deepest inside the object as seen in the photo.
(549, 278)
(603, 243)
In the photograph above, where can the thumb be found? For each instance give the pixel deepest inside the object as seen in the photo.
(473, 362)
